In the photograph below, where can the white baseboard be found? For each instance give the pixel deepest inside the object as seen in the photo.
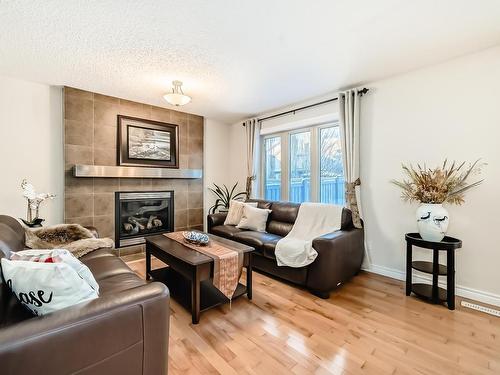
(462, 291)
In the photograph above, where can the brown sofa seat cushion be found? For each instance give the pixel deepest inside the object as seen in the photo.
(110, 272)
(255, 239)
(118, 283)
(269, 248)
(104, 267)
(227, 231)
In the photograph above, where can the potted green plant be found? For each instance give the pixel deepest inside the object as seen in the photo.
(433, 187)
(224, 196)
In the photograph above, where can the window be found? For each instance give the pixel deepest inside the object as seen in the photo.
(331, 175)
(304, 165)
(300, 167)
(272, 178)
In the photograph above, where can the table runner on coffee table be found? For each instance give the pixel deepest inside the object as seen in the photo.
(227, 262)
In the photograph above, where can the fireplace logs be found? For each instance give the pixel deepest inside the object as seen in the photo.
(137, 224)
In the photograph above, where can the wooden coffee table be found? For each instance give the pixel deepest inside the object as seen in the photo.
(189, 272)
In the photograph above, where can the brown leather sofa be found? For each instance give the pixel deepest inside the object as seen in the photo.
(124, 331)
(340, 253)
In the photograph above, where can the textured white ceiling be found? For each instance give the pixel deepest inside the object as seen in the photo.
(236, 57)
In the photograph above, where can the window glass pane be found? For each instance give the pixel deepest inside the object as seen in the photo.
(272, 178)
(331, 168)
(300, 167)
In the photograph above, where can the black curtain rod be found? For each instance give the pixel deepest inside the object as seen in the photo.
(360, 92)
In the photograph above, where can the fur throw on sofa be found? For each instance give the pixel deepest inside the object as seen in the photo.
(72, 237)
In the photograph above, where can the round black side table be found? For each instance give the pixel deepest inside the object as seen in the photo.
(433, 292)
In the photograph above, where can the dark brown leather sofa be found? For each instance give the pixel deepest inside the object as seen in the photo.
(340, 253)
(124, 331)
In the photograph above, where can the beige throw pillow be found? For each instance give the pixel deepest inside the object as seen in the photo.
(254, 218)
(236, 211)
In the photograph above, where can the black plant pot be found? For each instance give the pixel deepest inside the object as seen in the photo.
(35, 223)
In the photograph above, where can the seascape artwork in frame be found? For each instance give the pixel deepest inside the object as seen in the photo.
(147, 143)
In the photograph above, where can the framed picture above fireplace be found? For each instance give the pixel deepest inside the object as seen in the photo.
(147, 143)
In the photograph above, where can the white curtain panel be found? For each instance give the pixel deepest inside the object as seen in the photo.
(252, 132)
(349, 102)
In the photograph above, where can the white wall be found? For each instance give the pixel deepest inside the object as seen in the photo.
(217, 159)
(451, 110)
(237, 155)
(31, 146)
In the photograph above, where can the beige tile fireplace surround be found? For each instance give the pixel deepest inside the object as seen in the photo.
(90, 137)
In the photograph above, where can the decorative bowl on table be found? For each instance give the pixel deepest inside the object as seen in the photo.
(196, 238)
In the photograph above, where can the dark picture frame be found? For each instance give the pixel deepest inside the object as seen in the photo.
(147, 143)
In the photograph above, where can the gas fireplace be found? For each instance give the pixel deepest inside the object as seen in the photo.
(142, 214)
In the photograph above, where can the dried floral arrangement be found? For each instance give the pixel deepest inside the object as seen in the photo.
(445, 184)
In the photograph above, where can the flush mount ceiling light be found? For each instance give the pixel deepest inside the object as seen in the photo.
(177, 96)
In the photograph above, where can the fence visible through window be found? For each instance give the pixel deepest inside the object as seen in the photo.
(331, 190)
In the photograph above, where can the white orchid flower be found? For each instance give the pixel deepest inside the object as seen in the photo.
(33, 198)
(42, 196)
(28, 190)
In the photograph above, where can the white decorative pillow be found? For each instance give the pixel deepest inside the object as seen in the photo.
(236, 211)
(48, 280)
(254, 218)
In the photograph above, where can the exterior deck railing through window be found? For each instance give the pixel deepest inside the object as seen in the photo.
(331, 190)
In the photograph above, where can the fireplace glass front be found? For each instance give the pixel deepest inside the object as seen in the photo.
(141, 214)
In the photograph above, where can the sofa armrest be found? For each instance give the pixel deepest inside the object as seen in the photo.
(340, 255)
(126, 332)
(215, 219)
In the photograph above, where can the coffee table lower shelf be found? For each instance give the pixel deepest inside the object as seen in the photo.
(180, 289)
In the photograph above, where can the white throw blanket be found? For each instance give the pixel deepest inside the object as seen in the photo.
(313, 220)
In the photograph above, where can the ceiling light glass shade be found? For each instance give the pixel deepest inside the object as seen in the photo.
(177, 99)
(177, 96)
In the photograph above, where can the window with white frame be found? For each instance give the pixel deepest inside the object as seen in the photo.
(304, 165)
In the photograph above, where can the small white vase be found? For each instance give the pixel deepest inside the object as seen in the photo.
(432, 221)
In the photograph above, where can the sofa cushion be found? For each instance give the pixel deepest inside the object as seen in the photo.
(119, 282)
(236, 212)
(106, 266)
(282, 217)
(104, 252)
(261, 203)
(279, 228)
(11, 235)
(269, 248)
(285, 212)
(254, 218)
(227, 231)
(255, 239)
